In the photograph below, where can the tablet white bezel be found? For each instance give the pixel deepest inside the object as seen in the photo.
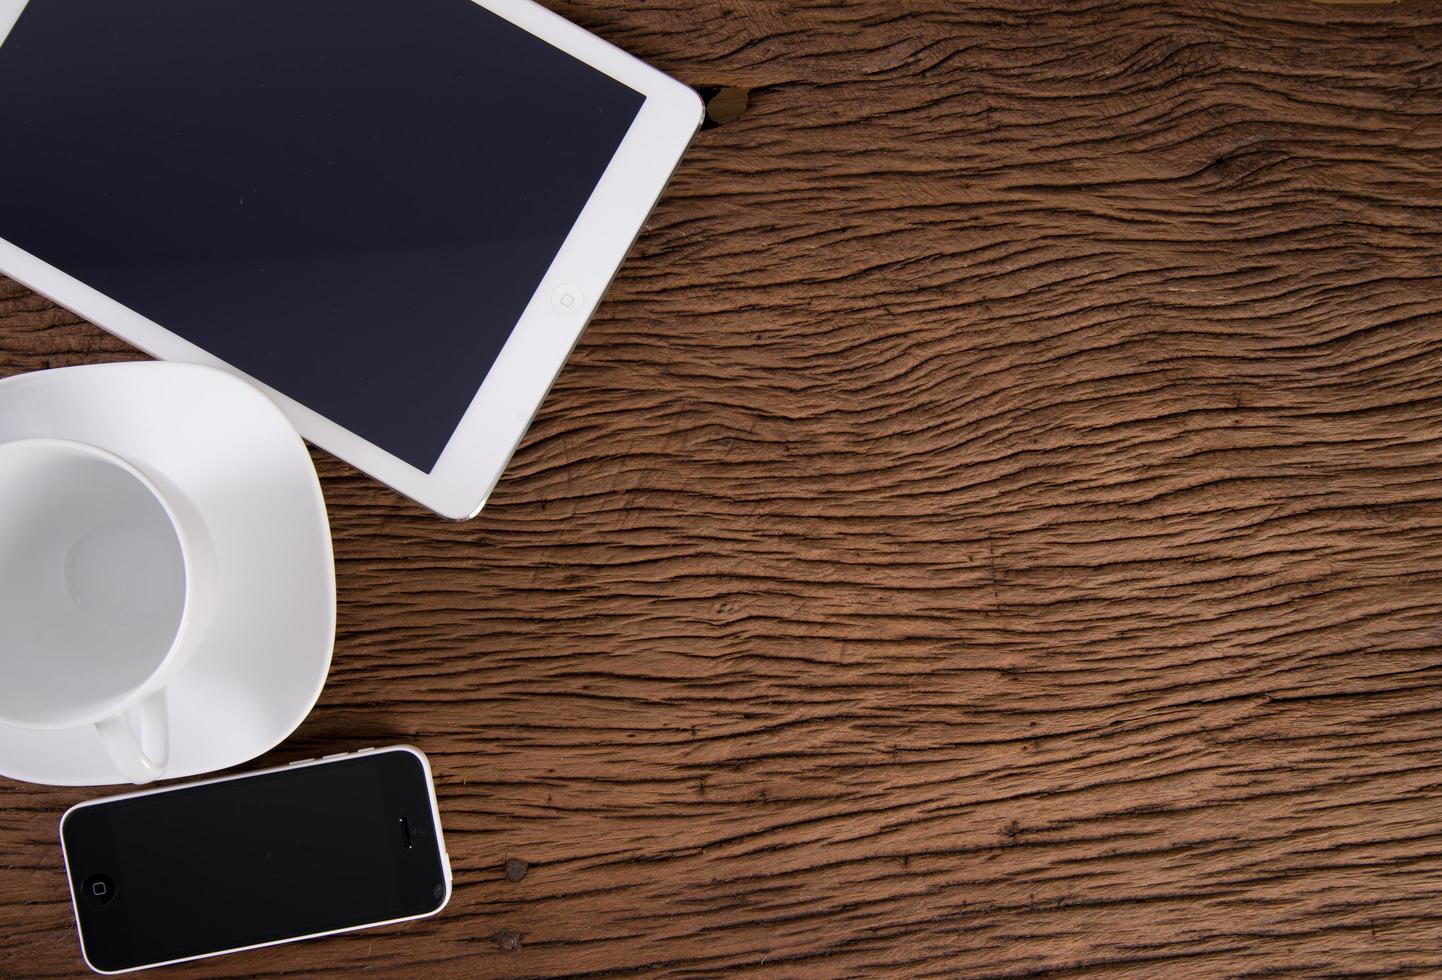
(532, 357)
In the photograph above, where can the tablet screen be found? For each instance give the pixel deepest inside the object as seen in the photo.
(352, 201)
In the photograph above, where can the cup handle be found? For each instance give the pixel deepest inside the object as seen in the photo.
(124, 736)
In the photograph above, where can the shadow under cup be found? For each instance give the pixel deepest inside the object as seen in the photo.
(92, 583)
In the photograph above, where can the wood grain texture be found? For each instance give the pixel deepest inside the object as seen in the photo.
(993, 526)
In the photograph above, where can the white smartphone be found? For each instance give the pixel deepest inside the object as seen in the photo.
(395, 216)
(305, 850)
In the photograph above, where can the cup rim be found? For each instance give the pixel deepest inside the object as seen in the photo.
(188, 557)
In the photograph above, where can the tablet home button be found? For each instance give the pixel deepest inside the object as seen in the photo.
(566, 299)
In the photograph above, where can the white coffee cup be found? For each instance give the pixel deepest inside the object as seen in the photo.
(106, 584)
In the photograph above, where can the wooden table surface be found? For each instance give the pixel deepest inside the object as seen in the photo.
(993, 526)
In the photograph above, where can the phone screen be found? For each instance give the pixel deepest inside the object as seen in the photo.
(242, 862)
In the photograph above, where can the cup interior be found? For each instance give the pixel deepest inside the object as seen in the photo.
(92, 583)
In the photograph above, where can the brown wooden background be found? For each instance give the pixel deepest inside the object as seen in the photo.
(993, 526)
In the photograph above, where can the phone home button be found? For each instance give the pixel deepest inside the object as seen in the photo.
(98, 889)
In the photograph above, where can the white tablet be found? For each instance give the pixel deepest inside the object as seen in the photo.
(394, 215)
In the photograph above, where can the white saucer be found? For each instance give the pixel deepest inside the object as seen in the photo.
(238, 458)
